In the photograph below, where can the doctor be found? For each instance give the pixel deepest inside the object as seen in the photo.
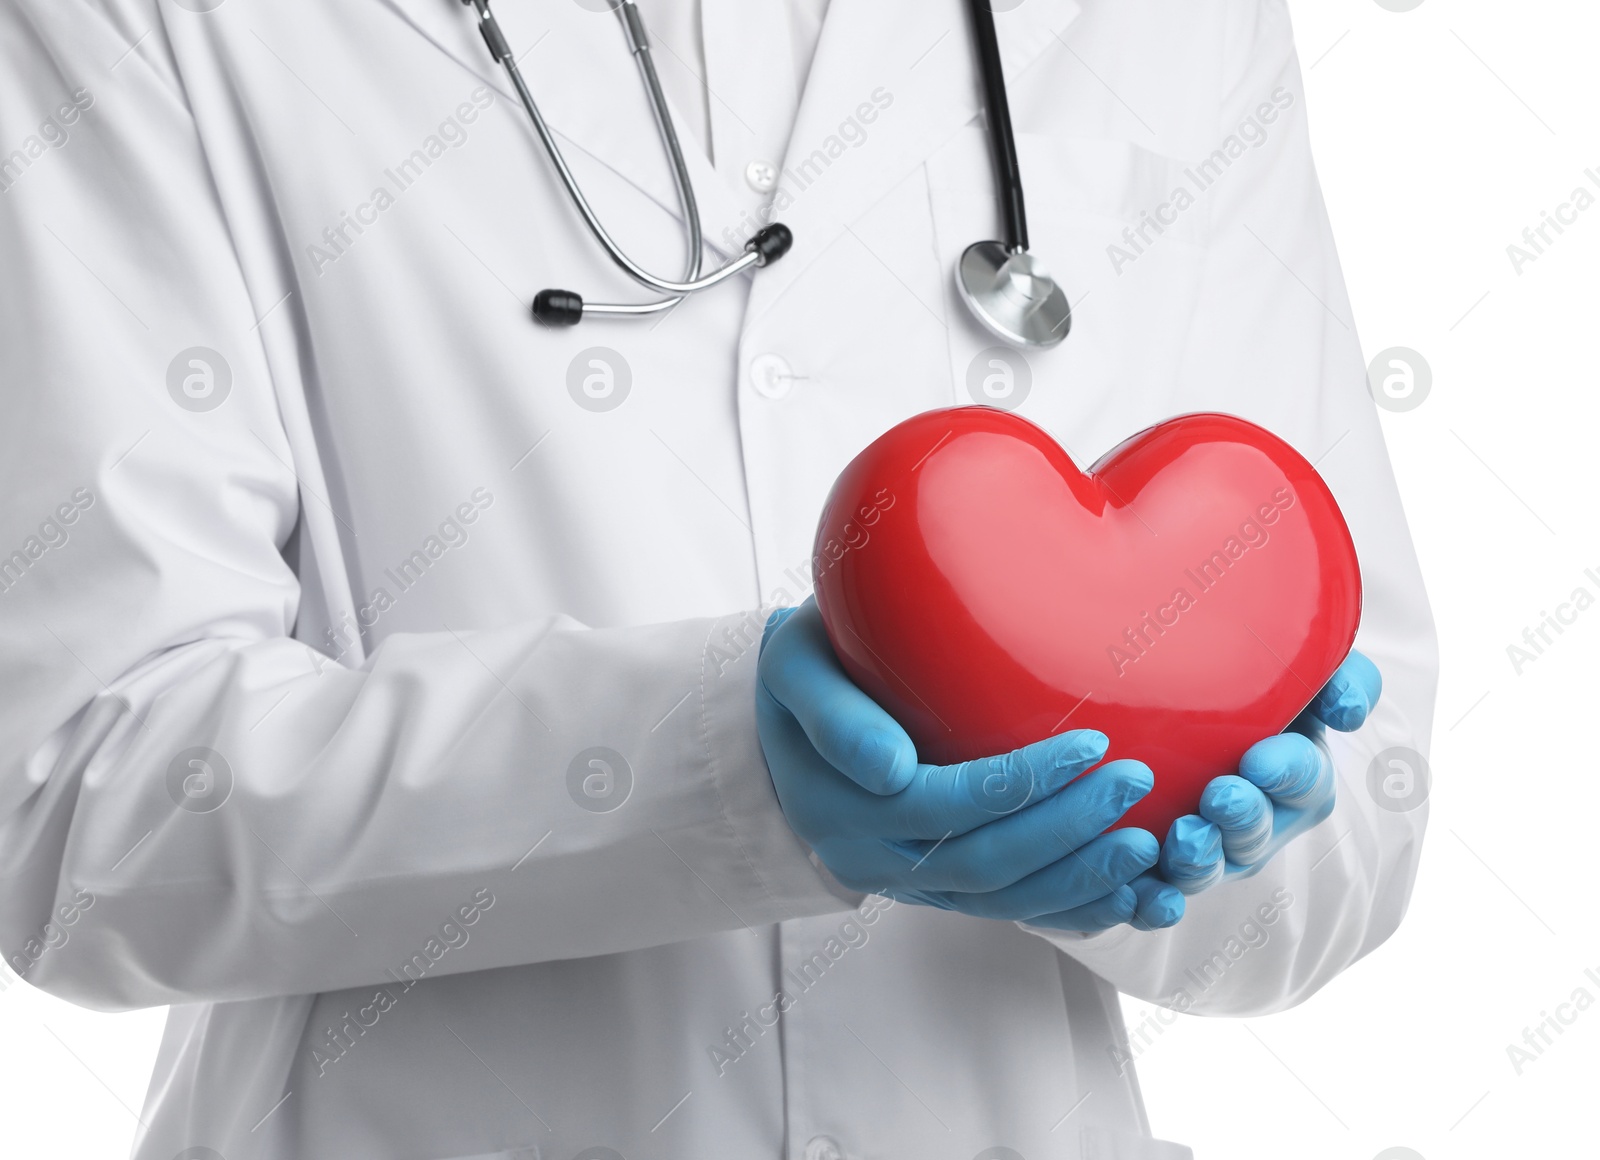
(382, 667)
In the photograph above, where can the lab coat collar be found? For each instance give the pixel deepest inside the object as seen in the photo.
(911, 63)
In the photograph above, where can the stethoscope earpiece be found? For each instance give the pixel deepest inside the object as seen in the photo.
(558, 307)
(770, 243)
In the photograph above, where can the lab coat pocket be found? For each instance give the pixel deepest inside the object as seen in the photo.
(1121, 230)
(1100, 1144)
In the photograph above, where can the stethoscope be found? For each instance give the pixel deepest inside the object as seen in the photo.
(1007, 289)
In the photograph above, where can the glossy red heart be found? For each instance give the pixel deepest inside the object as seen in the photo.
(1187, 596)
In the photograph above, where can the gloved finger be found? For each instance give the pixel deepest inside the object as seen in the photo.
(848, 728)
(1005, 783)
(1103, 913)
(1288, 768)
(808, 788)
(1301, 786)
(946, 801)
(1073, 879)
(1242, 813)
(1350, 694)
(1192, 858)
(1160, 904)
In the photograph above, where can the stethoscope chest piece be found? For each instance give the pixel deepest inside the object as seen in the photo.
(1012, 294)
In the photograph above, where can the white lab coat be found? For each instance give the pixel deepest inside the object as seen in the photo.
(391, 919)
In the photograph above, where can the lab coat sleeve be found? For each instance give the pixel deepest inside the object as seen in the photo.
(1274, 326)
(193, 804)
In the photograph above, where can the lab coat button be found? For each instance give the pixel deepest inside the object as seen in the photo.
(770, 376)
(762, 176)
(823, 1148)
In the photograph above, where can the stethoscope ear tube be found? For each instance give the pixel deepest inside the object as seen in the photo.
(563, 307)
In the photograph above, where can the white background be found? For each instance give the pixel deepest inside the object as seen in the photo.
(1440, 133)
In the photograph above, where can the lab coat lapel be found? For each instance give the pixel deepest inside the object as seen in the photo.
(910, 64)
(583, 77)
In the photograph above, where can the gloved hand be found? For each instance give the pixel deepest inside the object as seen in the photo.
(1285, 785)
(1006, 837)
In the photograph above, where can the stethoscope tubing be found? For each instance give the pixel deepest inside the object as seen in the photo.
(687, 202)
(1003, 144)
(501, 50)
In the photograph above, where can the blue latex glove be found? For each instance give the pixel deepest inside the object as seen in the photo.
(1285, 785)
(1006, 837)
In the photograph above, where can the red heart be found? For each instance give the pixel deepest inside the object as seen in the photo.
(1187, 596)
